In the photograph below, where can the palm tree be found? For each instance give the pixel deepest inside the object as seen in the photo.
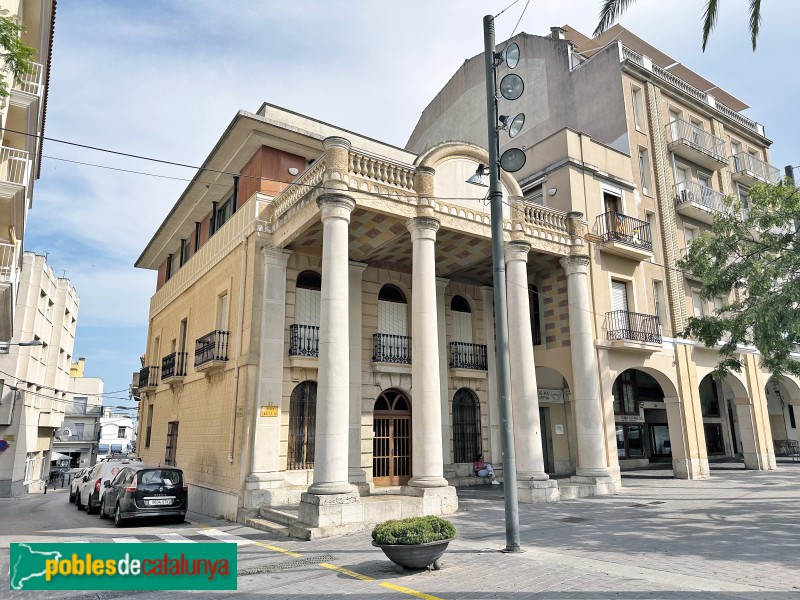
(612, 9)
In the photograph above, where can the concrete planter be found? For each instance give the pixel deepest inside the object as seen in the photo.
(415, 556)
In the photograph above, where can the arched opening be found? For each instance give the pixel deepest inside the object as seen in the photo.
(555, 422)
(783, 403)
(536, 324)
(304, 332)
(466, 426)
(721, 419)
(391, 342)
(391, 438)
(640, 418)
(302, 425)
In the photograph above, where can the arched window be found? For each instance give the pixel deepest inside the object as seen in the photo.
(462, 320)
(302, 423)
(466, 426)
(536, 325)
(392, 311)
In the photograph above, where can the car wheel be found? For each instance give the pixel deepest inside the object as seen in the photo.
(71, 498)
(78, 504)
(178, 520)
(118, 520)
(103, 514)
(90, 507)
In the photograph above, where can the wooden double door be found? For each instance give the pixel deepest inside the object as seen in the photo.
(391, 439)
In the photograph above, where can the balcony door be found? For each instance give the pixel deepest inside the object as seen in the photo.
(305, 332)
(391, 439)
(462, 320)
(619, 304)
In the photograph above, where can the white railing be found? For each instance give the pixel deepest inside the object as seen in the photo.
(30, 83)
(8, 262)
(301, 186)
(549, 218)
(744, 162)
(13, 165)
(689, 191)
(381, 170)
(694, 136)
(629, 55)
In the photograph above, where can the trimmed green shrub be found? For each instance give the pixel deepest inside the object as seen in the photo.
(414, 530)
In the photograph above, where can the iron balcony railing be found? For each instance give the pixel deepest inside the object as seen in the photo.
(148, 377)
(748, 163)
(303, 340)
(689, 191)
(625, 325)
(30, 83)
(174, 365)
(616, 227)
(467, 356)
(692, 135)
(13, 165)
(388, 348)
(212, 346)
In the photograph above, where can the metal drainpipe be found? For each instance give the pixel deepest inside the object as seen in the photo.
(240, 329)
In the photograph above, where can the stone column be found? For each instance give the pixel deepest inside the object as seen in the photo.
(684, 465)
(356, 470)
(753, 459)
(441, 308)
(265, 448)
(592, 461)
(426, 416)
(495, 453)
(333, 387)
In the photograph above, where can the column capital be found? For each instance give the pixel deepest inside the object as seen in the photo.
(336, 206)
(442, 283)
(335, 141)
(423, 228)
(357, 267)
(517, 250)
(275, 256)
(577, 264)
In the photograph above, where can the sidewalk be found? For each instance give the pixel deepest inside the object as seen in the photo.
(735, 535)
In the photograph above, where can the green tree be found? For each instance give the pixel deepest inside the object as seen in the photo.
(16, 55)
(611, 10)
(752, 256)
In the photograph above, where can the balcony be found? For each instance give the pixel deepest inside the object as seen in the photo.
(82, 410)
(13, 166)
(148, 378)
(304, 340)
(470, 357)
(693, 143)
(624, 235)
(30, 83)
(173, 367)
(699, 202)
(211, 351)
(8, 288)
(627, 330)
(394, 349)
(750, 170)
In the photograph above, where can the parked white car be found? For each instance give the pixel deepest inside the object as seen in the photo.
(91, 489)
(77, 481)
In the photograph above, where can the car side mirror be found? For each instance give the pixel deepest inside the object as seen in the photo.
(107, 483)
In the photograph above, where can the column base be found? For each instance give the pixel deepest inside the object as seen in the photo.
(356, 475)
(693, 468)
(435, 500)
(526, 477)
(538, 491)
(332, 510)
(264, 489)
(428, 482)
(594, 472)
(759, 461)
(597, 486)
(330, 488)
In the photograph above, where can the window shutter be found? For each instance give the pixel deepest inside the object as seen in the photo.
(307, 309)
(462, 327)
(392, 318)
(619, 296)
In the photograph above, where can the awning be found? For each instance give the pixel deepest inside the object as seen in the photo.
(58, 456)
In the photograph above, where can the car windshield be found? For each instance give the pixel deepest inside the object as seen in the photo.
(160, 477)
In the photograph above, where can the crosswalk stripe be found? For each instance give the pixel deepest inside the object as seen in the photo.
(175, 538)
(126, 540)
(223, 536)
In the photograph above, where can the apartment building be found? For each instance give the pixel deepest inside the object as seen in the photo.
(35, 376)
(78, 435)
(687, 146)
(22, 118)
(117, 433)
(321, 334)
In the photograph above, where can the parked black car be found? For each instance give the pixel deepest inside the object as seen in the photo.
(140, 492)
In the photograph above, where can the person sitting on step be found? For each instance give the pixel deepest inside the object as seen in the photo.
(483, 469)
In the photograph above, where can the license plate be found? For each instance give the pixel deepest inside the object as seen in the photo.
(159, 502)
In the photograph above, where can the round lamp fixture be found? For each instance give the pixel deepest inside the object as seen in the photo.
(511, 86)
(512, 160)
(514, 124)
(511, 55)
(293, 170)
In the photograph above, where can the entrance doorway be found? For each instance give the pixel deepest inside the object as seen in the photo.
(391, 439)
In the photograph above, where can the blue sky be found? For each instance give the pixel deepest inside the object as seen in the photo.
(163, 79)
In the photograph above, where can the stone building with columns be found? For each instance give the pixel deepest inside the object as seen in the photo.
(686, 145)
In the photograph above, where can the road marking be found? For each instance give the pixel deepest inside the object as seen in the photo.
(127, 540)
(344, 571)
(175, 538)
(224, 536)
(277, 549)
(409, 591)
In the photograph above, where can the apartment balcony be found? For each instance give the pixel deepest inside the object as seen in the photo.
(9, 258)
(78, 410)
(211, 351)
(749, 170)
(393, 349)
(699, 202)
(470, 359)
(148, 378)
(51, 419)
(304, 340)
(627, 330)
(29, 83)
(624, 235)
(78, 437)
(693, 143)
(173, 367)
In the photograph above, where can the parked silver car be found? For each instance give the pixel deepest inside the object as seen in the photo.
(91, 489)
(77, 481)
